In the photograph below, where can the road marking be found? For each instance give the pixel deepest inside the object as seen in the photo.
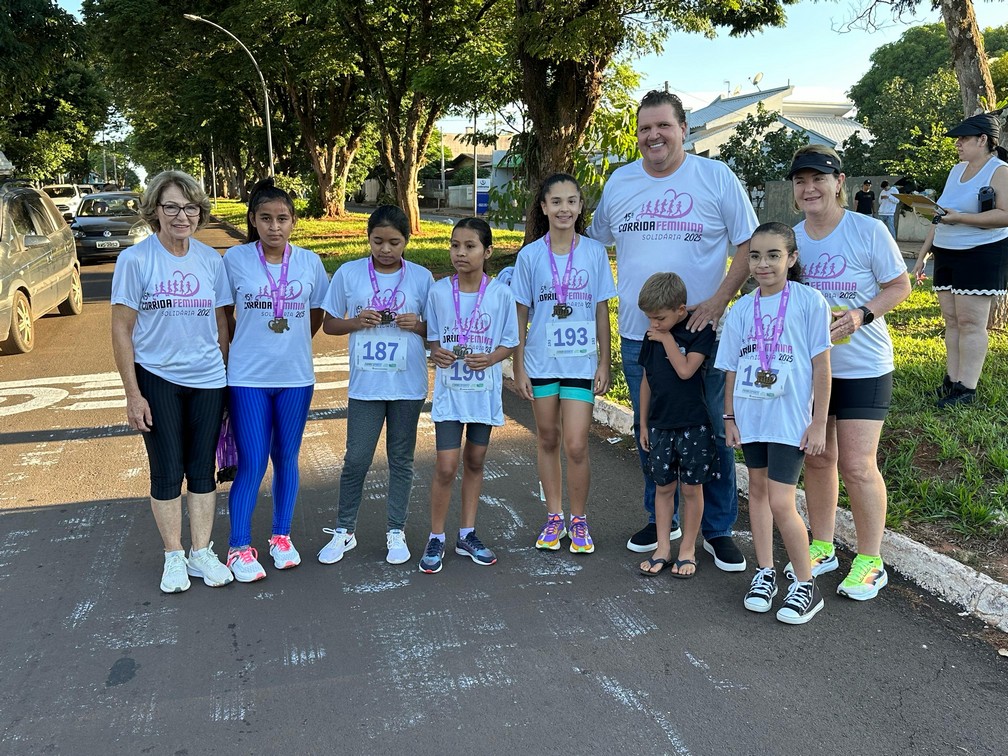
(104, 391)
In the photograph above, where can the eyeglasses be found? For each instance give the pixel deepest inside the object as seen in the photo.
(171, 209)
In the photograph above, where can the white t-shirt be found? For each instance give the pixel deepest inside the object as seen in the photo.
(176, 298)
(547, 353)
(260, 357)
(386, 362)
(887, 201)
(847, 267)
(782, 419)
(459, 393)
(962, 196)
(681, 223)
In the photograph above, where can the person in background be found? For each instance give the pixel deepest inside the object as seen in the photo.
(887, 207)
(864, 200)
(970, 247)
(170, 342)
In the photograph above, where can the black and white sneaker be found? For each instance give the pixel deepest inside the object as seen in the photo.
(646, 539)
(761, 591)
(726, 554)
(802, 603)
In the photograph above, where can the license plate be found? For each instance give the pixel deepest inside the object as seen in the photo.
(107, 245)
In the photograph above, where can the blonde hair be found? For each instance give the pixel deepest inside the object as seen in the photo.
(822, 149)
(662, 291)
(186, 184)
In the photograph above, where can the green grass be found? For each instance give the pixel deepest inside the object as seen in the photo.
(945, 471)
(338, 241)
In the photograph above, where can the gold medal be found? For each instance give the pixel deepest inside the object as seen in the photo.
(765, 378)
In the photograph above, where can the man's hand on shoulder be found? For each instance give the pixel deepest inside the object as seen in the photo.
(708, 312)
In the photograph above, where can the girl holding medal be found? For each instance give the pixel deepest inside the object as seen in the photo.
(563, 357)
(775, 350)
(278, 291)
(472, 327)
(379, 302)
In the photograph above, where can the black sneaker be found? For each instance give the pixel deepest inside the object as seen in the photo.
(761, 591)
(802, 603)
(959, 395)
(726, 554)
(646, 539)
(945, 389)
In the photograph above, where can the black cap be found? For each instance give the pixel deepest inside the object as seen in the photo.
(817, 162)
(983, 123)
(866, 182)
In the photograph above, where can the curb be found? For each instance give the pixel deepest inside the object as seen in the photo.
(976, 592)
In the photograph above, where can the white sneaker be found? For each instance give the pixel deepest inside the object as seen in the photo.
(205, 564)
(174, 578)
(283, 552)
(341, 542)
(398, 552)
(244, 563)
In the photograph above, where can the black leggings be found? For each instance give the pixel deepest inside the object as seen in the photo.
(183, 437)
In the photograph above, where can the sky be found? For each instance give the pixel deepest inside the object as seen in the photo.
(809, 53)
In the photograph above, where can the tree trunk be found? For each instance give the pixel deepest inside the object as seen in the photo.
(968, 57)
(404, 140)
(561, 96)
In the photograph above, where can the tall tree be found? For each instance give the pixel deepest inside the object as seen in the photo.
(563, 48)
(425, 57)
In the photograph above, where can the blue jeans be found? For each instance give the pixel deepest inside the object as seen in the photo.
(890, 222)
(364, 424)
(720, 495)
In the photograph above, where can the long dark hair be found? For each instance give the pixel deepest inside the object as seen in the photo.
(483, 232)
(786, 233)
(537, 219)
(263, 192)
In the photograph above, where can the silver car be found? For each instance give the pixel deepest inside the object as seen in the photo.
(39, 271)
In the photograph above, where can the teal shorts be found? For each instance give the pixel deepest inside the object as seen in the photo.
(579, 389)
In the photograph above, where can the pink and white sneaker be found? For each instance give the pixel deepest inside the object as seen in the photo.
(244, 563)
(283, 552)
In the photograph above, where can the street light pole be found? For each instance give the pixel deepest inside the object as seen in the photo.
(262, 80)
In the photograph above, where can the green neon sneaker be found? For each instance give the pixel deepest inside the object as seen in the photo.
(866, 578)
(823, 558)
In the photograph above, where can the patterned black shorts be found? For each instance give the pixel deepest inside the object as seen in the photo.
(684, 454)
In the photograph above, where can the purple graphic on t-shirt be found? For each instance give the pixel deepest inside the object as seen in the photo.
(291, 292)
(826, 266)
(179, 285)
(672, 205)
(390, 299)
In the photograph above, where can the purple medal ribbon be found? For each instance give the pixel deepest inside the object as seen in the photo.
(767, 351)
(560, 287)
(277, 288)
(376, 302)
(463, 333)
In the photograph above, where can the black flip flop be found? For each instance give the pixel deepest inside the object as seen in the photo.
(654, 563)
(680, 563)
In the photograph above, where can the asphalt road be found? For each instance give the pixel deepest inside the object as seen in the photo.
(542, 653)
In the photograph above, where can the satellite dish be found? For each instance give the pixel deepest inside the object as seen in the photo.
(757, 79)
(736, 90)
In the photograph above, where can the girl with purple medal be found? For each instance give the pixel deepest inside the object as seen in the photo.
(775, 352)
(472, 327)
(278, 291)
(379, 302)
(563, 357)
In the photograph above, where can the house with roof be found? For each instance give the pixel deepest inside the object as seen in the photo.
(825, 123)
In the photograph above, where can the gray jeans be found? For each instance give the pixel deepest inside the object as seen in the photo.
(364, 424)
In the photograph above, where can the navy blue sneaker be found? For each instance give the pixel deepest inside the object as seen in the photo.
(472, 547)
(431, 561)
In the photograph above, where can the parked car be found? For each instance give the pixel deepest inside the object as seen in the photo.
(39, 270)
(107, 223)
(66, 196)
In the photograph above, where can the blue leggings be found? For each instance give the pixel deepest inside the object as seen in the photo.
(268, 424)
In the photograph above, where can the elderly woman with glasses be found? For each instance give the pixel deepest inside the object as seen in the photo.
(170, 340)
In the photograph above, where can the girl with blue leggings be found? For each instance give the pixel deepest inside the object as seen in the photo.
(278, 291)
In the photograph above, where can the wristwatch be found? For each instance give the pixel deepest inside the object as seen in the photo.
(869, 316)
